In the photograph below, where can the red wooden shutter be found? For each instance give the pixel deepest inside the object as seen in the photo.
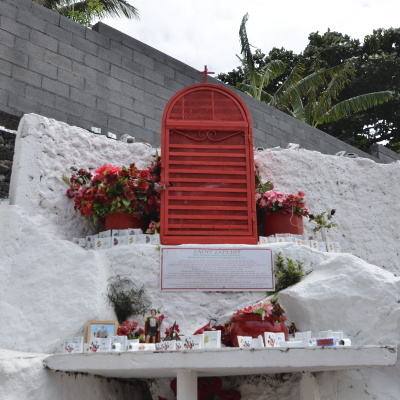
(207, 156)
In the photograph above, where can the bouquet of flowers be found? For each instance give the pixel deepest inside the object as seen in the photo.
(114, 189)
(274, 201)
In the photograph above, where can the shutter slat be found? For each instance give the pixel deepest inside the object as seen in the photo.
(212, 207)
(216, 163)
(216, 155)
(207, 198)
(222, 180)
(225, 217)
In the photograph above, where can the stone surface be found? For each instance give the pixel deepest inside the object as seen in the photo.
(365, 195)
(46, 149)
(23, 377)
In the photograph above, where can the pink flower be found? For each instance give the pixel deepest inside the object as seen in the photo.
(82, 190)
(71, 193)
(152, 226)
(258, 196)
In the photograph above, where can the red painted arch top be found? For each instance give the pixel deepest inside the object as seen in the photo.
(207, 156)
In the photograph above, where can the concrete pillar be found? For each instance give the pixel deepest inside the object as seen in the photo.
(186, 385)
(308, 391)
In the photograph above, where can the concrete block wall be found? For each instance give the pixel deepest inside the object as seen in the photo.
(384, 154)
(100, 77)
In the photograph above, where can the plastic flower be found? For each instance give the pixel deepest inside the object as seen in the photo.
(144, 174)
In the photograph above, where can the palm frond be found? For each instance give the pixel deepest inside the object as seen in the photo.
(249, 89)
(112, 8)
(310, 82)
(271, 71)
(282, 95)
(245, 49)
(340, 76)
(297, 105)
(355, 104)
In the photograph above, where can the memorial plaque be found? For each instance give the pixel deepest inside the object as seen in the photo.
(217, 269)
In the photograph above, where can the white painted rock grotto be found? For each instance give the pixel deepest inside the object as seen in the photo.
(50, 287)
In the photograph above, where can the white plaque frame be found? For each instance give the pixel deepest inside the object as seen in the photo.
(172, 260)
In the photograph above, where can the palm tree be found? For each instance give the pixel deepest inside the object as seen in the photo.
(290, 95)
(110, 8)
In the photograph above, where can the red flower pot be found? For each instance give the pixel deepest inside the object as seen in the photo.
(124, 221)
(253, 325)
(278, 222)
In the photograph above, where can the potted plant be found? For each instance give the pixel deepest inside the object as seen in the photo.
(122, 197)
(265, 316)
(281, 213)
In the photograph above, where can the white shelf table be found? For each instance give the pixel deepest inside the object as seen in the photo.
(188, 365)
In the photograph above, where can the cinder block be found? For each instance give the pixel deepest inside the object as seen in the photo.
(74, 120)
(119, 125)
(143, 135)
(7, 38)
(5, 67)
(79, 96)
(97, 117)
(41, 96)
(3, 97)
(23, 103)
(87, 72)
(134, 44)
(134, 92)
(146, 109)
(133, 117)
(260, 135)
(144, 84)
(57, 59)
(85, 45)
(174, 63)
(111, 109)
(12, 85)
(109, 56)
(154, 76)
(28, 19)
(143, 59)
(51, 112)
(70, 78)
(164, 69)
(184, 79)
(173, 85)
(106, 30)
(96, 37)
(53, 86)
(71, 52)
(8, 10)
(45, 13)
(152, 124)
(43, 40)
(24, 75)
(153, 53)
(133, 66)
(121, 49)
(58, 33)
(109, 82)
(27, 47)
(272, 141)
(164, 93)
(70, 107)
(24, 4)
(96, 63)
(72, 26)
(285, 126)
(121, 74)
(14, 27)
(121, 100)
(155, 101)
(95, 89)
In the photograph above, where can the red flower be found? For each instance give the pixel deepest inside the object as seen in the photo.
(161, 398)
(71, 193)
(142, 185)
(300, 193)
(144, 174)
(206, 327)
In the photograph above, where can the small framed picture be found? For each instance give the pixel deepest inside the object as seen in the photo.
(101, 329)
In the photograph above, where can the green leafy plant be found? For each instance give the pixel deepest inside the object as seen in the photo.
(287, 272)
(126, 298)
(322, 220)
(93, 10)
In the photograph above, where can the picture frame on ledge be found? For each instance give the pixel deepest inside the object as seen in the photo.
(101, 329)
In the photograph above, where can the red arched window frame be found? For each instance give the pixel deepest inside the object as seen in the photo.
(207, 157)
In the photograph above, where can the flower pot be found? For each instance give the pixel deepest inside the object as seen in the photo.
(124, 221)
(253, 325)
(278, 222)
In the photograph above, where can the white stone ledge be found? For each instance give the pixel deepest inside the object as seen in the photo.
(224, 361)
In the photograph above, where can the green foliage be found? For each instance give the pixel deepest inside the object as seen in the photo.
(287, 272)
(376, 70)
(126, 298)
(84, 11)
(322, 221)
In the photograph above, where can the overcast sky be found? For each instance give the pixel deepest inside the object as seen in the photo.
(200, 32)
